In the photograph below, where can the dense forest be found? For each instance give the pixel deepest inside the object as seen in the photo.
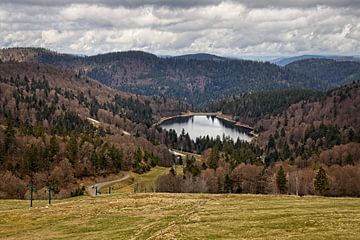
(57, 127)
(250, 107)
(334, 73)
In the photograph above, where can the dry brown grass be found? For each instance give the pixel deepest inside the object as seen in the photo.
(182, 216)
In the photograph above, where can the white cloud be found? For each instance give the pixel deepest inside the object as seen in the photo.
(165, 27)
(54, 36)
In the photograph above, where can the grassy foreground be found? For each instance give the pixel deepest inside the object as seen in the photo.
(182, 216)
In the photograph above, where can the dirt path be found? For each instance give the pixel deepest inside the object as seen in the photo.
(92, 189)
(176, 153)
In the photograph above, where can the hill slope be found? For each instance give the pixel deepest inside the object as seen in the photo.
(250, 107)
(307, 131)
(334, 73)
(195, 80)
(57, 127)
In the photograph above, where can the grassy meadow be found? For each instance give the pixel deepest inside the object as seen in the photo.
(182, 216)
(128, 215)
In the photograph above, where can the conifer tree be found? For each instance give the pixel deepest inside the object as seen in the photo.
(32, 160)
(271, 144)
(54, 146)
(9, 138)
(214, 158)
(281, 180)
(321, 183)
(2, 154)
(72, 149)
(228, 184)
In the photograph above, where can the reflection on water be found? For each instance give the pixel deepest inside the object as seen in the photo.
(202, 126)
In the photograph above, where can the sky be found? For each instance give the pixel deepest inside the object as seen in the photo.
(169, 27)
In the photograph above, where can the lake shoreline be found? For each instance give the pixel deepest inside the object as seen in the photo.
(219, 115)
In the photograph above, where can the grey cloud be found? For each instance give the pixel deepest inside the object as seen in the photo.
(225, 28)
(193, 3)
(300, 3)
(116, 3)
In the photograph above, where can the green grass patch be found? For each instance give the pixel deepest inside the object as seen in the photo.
(142, 182)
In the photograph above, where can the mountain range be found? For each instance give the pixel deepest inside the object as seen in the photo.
(283, 61)
(195, 78)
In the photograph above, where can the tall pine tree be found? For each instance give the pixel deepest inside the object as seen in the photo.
(9, 138)
(281, 180)
(72, 149)
(214, 158)
(321, 183)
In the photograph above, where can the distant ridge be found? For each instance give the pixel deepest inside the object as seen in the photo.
(202, 57)
(283, 61)
(330, 71)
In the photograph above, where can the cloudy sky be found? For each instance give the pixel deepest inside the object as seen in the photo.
(169, 27)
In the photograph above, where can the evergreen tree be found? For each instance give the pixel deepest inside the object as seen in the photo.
(286, 153)
(39, 130)
(94, 159)
(2, 154)
(321, 183)
(9, 138)
(214, 158)
(271, 144)
(190, 166)
(138, 155)
(281, 180)
(116, 156)
(282, 132)
(32, 161)
(72, 149)
(351, 135)
(228, 184)
(94, 107)
(54, 146)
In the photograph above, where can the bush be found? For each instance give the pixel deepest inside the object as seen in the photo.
(78, 192)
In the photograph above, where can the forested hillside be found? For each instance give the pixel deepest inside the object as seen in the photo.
(191, 79)
(331, 72)
(57, 126)
(305, 129)
(250, 107)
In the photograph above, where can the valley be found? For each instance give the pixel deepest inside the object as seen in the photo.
(201, 119)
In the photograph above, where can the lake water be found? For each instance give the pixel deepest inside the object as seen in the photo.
(202, 126)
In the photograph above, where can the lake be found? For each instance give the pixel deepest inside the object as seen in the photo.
(201, 126)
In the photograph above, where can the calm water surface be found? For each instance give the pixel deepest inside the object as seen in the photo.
(200, 126)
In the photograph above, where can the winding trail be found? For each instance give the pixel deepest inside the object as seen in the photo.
(92, 189)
